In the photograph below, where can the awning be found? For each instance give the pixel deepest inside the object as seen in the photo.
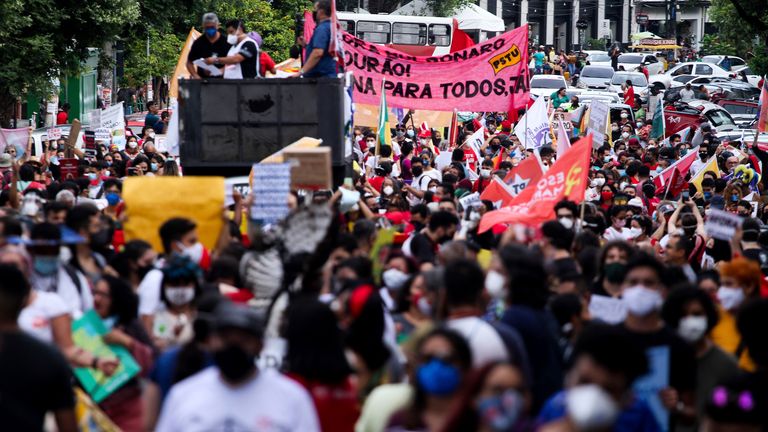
(469, 17)
(657, 47)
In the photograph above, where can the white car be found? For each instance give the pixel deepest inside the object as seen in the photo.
(638, 82)
(598, 58)
(595, 77)
(589, 96)
(545, 85)
(698, 69)
(718, 60)
(631, 61)
(751, 77)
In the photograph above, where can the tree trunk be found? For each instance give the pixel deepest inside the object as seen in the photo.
(7, 101)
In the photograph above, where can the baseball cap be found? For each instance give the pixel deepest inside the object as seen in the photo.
(234, 316)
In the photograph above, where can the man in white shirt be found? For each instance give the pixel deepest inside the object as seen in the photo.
(423, 173)
(687, 93)
(701, 162)
(235, 395)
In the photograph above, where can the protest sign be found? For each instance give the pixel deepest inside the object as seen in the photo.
(68, 168)
(721, 224)
(94, 118)
(17, 138)
(89, 144)
(607, 309)
(533, 127)
(310, 168)
(490, 76)
(475, 143)
(54, 133)
(51, 108)
(471, 200)
(380, 250)
(270, 186)
(598, 122)
(240, 184)
(87, 334)
(112, 118)
(150, 201)
(648, 386)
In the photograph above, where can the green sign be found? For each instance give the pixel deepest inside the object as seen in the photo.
(88, 333)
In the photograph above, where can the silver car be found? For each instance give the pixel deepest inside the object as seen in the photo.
(595, 77)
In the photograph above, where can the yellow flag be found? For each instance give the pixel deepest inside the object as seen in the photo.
(710, 166)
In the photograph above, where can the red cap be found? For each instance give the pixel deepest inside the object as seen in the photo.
(506, 125)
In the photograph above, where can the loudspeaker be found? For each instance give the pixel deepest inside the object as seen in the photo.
(226, 126)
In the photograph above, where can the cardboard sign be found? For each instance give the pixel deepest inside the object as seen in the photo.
(598, 122)
(89, 144)
(271, 186)
(74, 132)
(54, 133)
(150, 201)
(310, 168)
(68, 168)
(87, 334)
(607, 309)
(102, 134)
(721, 224)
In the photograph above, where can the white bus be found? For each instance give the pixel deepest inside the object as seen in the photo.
(414, 35)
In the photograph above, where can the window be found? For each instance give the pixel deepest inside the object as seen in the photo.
(719, 118)
(630, 59)
(651, 59)
(747, 71)
(683, 70)
(682, 78)
(740, 109)
(409, 34)
(348, 26)
(637, 79)
(736, 61)
(599, 58)
(440, 35)
(374, 32)
(702, 69)
(550, 83)
(597, 72)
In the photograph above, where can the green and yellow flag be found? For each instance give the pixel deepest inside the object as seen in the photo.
(384, 134)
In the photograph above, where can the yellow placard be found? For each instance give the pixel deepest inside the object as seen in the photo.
(150, 201)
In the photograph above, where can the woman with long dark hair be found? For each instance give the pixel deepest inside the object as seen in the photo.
(316, 360)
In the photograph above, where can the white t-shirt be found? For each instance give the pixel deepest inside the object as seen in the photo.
(697, 165)
(149, 292)
(613, 234)
(268, 403)
(686, 95)
(77, 301)
(421, 182)
(35, 319)
(484, 341)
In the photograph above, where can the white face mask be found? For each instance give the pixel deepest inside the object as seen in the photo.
(692, 328)
(194, 252)
(625, 135)
(566, 222)
(494, 285)
(394, 279)
(423, 141)
(132, 144)
(639, 125)
(388, 190)
(433, 189)
(614, 128)
(151, 134)
(635, 232)
(590, 407)
(598, 182)
(624, 115)
(641, 301)
(232, 39)
(623, 185)
(424, 307)
(730, 298)
(485, 173)
(179, 296)
(410, 133)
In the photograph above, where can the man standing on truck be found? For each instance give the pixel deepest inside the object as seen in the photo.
(319, 62)
(211, 44)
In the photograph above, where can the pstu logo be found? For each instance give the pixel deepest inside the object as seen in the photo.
(506, 59)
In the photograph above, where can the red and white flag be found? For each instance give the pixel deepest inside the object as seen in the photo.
(683, 165)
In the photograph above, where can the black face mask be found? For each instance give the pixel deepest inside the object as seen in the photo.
(142, 271)
(234, 363)
(314, 16)
(101, 239)
(417, 171)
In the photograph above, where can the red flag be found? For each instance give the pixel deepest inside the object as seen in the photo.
(499, 158)
(453, 134)
(527, 172)
(682, 165)
(762, 120)
(336, 46)
(676, 183)
(461, 40)
(629, 97)
(567, 179)
(496, 191)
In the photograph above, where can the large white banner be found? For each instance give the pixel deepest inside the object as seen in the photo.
(533, 128)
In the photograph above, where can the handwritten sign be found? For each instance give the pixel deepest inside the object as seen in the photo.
(598, 122)
(87, 334)
(102, 134)
(471, 200)
(54, 133)
(721, 224)
(270, 189)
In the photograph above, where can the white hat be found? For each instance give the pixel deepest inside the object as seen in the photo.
(636, 202)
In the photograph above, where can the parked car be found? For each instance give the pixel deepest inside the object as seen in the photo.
(545, 85)
(631, 61)
(40, 136)
(679, 115)
(698, 69)
(718, 60)
(598, 58)
(743, 112)
(586, 97)
(751, 77)
(595, 77)
(638, 82)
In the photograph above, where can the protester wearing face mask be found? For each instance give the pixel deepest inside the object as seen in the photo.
(740, 281)
(178, 236)
(236, 391)
(414, 307)
(618, 229)
(242, 59)
(611, 272)
(643, 293)
(486, 170)
(692, 313)
(599, 395)
(441, 228)
(397, 272)
(172, 325)
(212, 45)
(49, 274)
(88, 256)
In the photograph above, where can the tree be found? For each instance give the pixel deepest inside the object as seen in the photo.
(45, 39)
(731, 18)
(164, 50)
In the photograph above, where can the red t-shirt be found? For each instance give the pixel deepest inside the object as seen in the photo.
(265, 63)
(62, 118)
(336, 405)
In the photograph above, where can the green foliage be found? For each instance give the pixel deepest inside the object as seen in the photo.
(731, 29)
(446, 8)
(595, 44)
(164, 50)
(716, 44)
(735, 35)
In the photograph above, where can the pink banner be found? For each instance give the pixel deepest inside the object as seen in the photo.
(490, 76)
(18, 138)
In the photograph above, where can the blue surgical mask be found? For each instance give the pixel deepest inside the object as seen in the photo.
(93, 176)
(622, 173)
(211, 32)
(438, 378)
(54, 160)
(410, 133)
(112, 198)
(153, 166)
(707, 196)
(46, 265)
(500, 412)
